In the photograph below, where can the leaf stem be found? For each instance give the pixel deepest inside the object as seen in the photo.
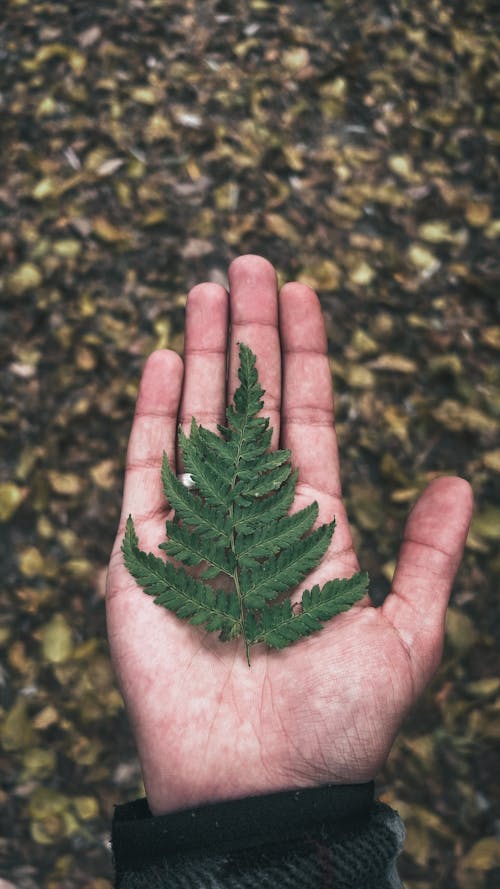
(236, 576)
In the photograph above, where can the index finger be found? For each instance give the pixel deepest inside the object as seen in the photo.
(153, 431)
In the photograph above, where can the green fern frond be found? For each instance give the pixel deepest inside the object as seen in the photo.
(280, 573)
(250, 516)
(273, 536)
(235, 523)
(178, 591)
(192, 509)
(280, 625)
(186, 545)
(218, 448)
(213, 485)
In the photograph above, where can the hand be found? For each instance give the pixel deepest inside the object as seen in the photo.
(327, 709)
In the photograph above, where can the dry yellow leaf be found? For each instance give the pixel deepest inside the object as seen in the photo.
(324, 275)
(362, 274)
(158, 127)
(46, 801)
(484, 688)
(491, 336)
(79, 567)
(26, 277)
(402, 165)
(105, 230)
(360, 377)
(67, 248)
(45, 188)
(460, 631)
(478, 213)
(86, 807)
(487, 523)
(362, 343)
(145, 95)
(46, 717)
(31, 562)
(394, 364)
(436, 232)
(334, 89)
(57, 641)
(10, 498)
(492, 460)
(423, 259)
(38, 762)
(484, 855)
(455, 415)
(66, 483)
(16, 733)
(397, 420)
(103, 474)
(493, 229)
(280, 227)
(295, 59)
(46, 107)
(85, 358)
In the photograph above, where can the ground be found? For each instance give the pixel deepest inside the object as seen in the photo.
(144, 145)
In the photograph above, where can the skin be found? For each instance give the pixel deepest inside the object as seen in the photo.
(327, 709)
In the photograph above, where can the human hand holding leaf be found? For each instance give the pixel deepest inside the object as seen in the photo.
(327, 708)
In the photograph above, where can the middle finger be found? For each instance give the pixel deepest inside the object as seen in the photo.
(254, 322)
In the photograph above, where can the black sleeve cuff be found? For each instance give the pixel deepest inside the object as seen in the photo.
(140, 840)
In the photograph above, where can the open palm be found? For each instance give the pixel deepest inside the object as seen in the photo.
(327, 709)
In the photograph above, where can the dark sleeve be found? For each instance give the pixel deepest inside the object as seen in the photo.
(333, 836)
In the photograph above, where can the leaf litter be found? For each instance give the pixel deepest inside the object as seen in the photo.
(143, 147)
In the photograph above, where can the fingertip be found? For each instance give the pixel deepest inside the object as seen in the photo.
(301, 319)
(447, 504)
(162, 374)
(253, 290)
(164, 361)
(251, 263)
(298, 290)
(208, 291)
(454, 487)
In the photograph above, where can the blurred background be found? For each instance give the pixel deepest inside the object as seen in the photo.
(144, 144)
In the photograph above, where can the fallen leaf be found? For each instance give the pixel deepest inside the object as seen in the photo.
(57, 640)
(11, 496)
(394, 364)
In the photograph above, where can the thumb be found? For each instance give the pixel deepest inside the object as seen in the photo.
(429, 557)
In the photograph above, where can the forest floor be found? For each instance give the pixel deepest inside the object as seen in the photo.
(144, 145)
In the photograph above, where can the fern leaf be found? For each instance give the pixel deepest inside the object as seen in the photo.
(212, 485)
(247, 398)
(174, 588)
(279, 625)
(191, 508)
(335, 596)
(270, 460)
(191, 548)
(222, 466)
(272, 537)
(272, 480)
(236, 522)
(223, 450)
(252, 515)
(277, 575)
